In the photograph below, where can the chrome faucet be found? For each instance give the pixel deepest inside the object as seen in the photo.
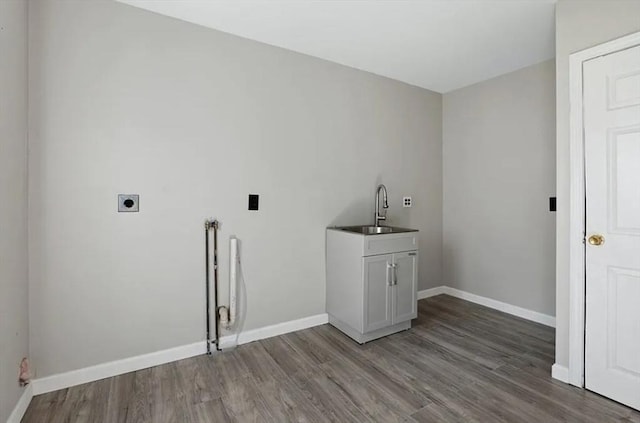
(385, 204)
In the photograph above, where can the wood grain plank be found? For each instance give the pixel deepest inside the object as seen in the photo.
(245, 402)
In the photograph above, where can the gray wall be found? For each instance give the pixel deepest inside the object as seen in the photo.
(14, 323)
(126, 101)
(579, 25)
(499, 170)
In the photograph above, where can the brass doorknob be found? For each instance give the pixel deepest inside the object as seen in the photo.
(596, 240)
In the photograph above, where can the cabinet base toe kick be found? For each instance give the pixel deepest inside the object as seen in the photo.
(362, 338)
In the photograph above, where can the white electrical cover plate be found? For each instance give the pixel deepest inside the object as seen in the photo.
(406, 202)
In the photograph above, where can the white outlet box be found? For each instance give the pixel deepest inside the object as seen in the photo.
(407, 202)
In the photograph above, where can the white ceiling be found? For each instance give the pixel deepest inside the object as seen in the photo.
(440, 45)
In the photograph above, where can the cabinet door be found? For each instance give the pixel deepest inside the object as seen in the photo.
(377, 292)
(405, 292)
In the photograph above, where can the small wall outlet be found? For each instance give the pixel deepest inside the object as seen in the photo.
(407, 202)
(253, 201)
(128, 203)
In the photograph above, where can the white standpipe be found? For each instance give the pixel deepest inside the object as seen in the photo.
(233, 279)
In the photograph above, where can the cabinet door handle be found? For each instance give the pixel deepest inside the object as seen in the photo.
(395, 273)
(389, 279)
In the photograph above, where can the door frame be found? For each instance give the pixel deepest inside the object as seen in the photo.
(577, 197)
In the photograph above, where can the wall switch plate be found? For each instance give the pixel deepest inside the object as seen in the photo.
(128, 203)
(253, 201)
(552, 204)
(407, 202)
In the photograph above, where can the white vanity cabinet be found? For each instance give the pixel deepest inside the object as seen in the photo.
(371, 282)
(390, 289)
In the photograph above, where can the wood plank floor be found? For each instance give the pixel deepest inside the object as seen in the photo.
(459, 363)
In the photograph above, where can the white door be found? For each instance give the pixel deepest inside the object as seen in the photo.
(405, 301)
(377, 292)
(612, 177)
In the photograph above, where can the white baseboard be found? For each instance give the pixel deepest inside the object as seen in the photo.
(560, 373)
(118, 367)
(534, 316)
(22, 405)
(114, 368)
(431, 292)
(274, 330)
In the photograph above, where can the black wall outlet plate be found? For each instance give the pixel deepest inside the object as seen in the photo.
(253, 201)
(552, 204)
